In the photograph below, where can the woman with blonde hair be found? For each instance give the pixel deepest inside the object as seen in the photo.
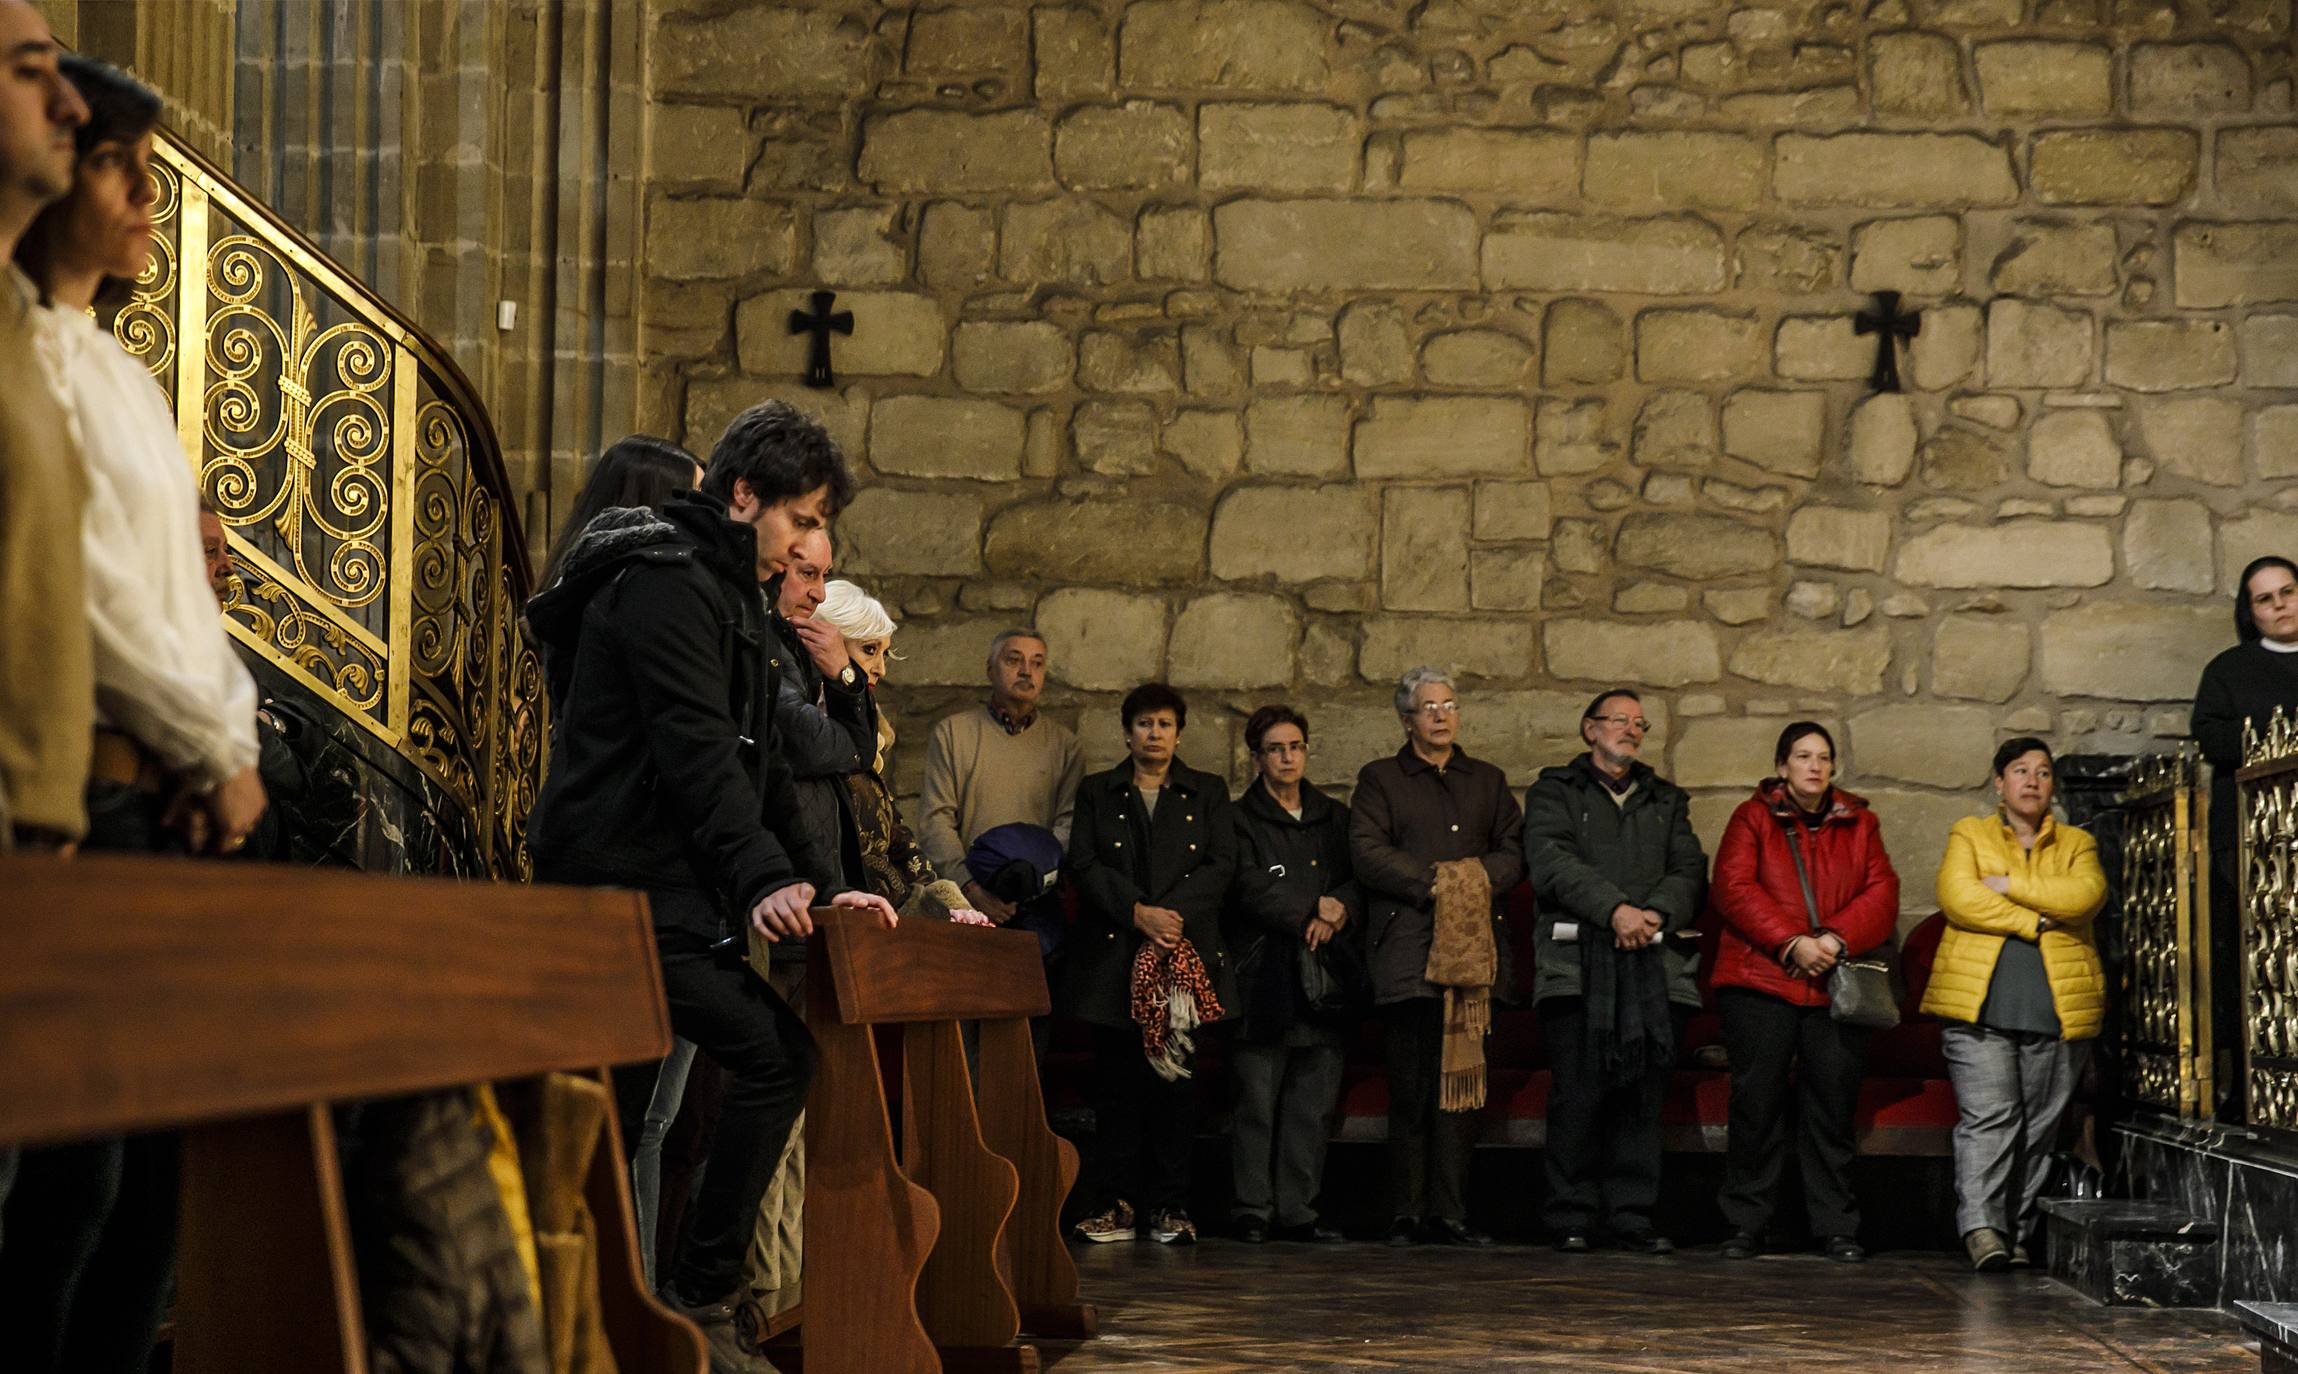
(2019, 981)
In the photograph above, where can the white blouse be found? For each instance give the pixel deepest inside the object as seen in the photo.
(165, 670)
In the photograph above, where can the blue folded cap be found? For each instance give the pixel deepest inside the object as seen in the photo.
(1015, 862)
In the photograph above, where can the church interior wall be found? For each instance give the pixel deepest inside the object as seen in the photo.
(1272, 348)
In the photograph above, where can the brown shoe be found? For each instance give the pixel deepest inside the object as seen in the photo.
(1111, 1225)
(1989, 1255)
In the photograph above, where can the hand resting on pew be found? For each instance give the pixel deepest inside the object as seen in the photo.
(783, 913)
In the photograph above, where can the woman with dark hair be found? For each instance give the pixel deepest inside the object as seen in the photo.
(1802, 882)
(2019, 980)
(1150, 853)
(1295, 891)
(2244, 683)
(638, 471)
(91, 1224)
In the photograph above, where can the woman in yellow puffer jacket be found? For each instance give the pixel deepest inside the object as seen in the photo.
(2019, 981)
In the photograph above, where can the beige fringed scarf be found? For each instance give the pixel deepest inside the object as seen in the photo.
(1463, 960)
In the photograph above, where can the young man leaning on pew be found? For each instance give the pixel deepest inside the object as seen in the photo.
(666, 775)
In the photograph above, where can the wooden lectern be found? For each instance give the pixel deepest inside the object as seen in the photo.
(236, 1001)
(938, 1256)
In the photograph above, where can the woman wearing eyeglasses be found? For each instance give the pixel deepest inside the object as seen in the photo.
(1295, 891)
(1802, 882)
(1420, 826)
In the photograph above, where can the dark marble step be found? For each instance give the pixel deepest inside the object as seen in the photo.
(2275, 1324)
(2127, 1253)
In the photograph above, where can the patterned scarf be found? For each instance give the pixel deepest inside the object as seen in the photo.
(1171, 997)
(1462, 959)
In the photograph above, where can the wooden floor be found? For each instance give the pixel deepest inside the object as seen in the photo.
(1226, 1306)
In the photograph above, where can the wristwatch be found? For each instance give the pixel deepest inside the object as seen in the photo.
(849, 677)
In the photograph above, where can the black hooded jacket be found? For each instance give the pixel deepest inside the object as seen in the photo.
(665, 771)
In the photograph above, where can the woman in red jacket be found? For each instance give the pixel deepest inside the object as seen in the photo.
(1770, 977)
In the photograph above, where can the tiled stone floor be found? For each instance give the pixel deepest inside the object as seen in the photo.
(1226, 1306)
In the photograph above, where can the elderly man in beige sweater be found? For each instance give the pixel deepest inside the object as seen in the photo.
(997, 764)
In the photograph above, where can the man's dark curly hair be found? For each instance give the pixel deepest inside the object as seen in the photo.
(782, 453)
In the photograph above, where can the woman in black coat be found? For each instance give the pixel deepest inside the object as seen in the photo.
(2246, 682)
(1151, 850)
(1428, 804)
(1294, 891)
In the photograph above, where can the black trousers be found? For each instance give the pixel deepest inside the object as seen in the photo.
(90, 1226)
(727, 1010)
(1428, 1148)
(1603, 1156)
(1144, 1127)
(1767, 1038)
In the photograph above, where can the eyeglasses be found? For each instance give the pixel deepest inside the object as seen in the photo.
(1638, 723)
(1278, 751)
(1437, 709)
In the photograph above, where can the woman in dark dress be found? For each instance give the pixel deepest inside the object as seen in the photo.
(1295, 890)
(2244, 683)
(1151, 850)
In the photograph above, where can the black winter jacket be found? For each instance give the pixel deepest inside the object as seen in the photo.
(1283, 867)
(664, 770)
(1406, 818)
(825, 743)
(1118, 856)
(1587, 854)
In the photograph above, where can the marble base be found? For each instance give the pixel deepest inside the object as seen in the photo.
(2275, 1324)
(2133, 1254)
(2245, 1183)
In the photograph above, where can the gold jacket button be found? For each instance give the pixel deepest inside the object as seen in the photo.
(1456, 830)
(1120, 844)
(1192, 848)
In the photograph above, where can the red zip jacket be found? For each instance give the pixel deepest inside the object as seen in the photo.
(1756, 892)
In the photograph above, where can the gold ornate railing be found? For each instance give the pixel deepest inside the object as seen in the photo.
(363, 491)
(2163, 1002)
(2268, 785)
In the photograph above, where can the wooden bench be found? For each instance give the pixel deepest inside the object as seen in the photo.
(236, 1002)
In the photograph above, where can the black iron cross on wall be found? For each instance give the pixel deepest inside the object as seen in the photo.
(821, 323)
(1889, 325)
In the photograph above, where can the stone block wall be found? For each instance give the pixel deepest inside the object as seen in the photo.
(1274, 347)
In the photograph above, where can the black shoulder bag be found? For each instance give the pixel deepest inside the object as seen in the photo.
(1862, 991)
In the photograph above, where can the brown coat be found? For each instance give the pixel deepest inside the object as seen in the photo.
(1406, 818)
(47, 668)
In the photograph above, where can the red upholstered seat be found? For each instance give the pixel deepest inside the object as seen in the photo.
(1906, 1106)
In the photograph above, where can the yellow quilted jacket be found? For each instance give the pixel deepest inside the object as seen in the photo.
(2060, 878)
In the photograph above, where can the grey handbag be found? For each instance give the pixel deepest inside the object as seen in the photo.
(1862, 991)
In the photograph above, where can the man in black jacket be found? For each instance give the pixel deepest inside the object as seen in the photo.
(822, 710)
(666, 775)
(1618, 874)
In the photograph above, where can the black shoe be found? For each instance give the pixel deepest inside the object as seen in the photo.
(1644, 1243)
(1573, 1242)
(1445, 1231)
(1309, 1233)
(1845, 1250)
(1402, 1231)
(1741, 1245)
(1252, 1230)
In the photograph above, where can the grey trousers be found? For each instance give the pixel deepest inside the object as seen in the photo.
(1286, 1093)
(2010, 1089)
(646, 1153)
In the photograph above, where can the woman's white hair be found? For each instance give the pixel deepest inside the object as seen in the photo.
(854, 613)
(1408, 687)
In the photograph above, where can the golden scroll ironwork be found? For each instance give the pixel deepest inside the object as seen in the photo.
(362, 489)
(2163, 1000)
(2268, 786)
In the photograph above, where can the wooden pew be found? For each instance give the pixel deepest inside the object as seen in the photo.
(236, 1001)
(938, 1256)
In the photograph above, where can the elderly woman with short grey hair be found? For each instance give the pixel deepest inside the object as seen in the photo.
(1437, 841)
